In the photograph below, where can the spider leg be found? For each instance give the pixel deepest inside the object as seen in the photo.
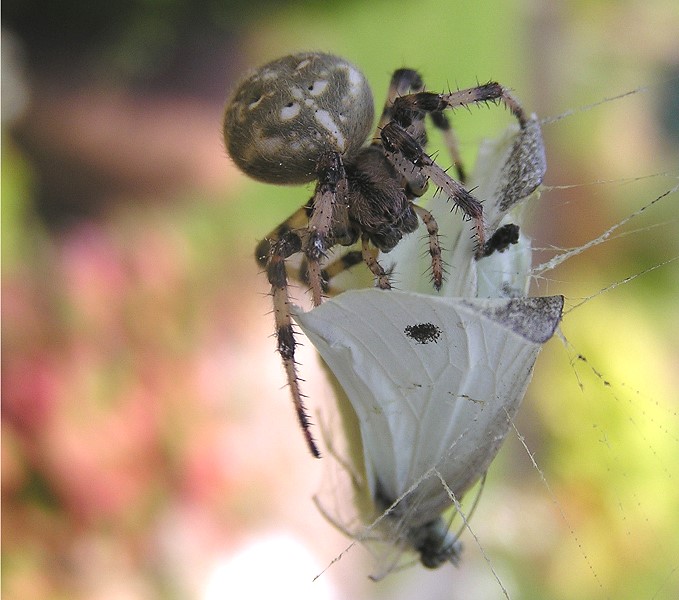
(442, 123)
(343, 263)
(332, 270)
(406, 82)
(312, 229)
(370, 258)
(434, 246)
(297, 221)
(403, 81)
(328, 222)
(406, 107)
(276, 272)
(407, 156)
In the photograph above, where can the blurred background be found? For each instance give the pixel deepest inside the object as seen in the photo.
(149, 449)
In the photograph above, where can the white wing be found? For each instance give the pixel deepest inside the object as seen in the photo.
(433, 381)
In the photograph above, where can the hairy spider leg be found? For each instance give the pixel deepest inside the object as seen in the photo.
(297, 221)
(333, 269)
(276, 272)
(489, 92)
(403, 82)
(325, 219)
(442, 123)
(344, 262)
(408, 81)
(329, 219)
(370, 259)
(407, 156)
(324, 214)
(407, 107)
(434, 246)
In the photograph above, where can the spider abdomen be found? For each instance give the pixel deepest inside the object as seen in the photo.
(289, 112)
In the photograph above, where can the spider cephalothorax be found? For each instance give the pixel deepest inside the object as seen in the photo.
(306, 117)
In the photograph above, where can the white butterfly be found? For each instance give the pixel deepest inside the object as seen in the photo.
(434, 379)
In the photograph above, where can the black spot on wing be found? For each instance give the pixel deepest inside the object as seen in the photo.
(423, 333)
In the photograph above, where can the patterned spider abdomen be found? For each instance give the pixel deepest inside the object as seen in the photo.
(286, 114)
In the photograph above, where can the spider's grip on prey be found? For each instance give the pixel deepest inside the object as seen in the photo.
(308, 117)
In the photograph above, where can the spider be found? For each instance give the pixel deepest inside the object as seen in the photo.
(307, 117)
